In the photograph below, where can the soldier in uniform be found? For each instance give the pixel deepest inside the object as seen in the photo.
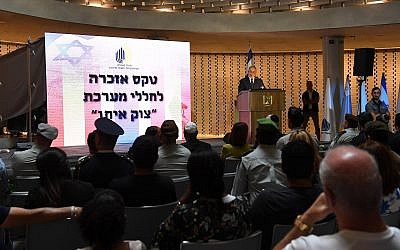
(105, 164)
(82, 161)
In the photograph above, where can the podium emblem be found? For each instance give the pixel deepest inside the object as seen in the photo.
(267, 100)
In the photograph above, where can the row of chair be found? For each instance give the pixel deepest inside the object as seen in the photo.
(142, 222)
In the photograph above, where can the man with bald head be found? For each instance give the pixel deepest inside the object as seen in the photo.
(352, 191)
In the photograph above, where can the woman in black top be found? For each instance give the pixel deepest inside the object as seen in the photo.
(56, 187)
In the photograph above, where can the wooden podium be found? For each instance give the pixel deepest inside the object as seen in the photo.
(256, 104)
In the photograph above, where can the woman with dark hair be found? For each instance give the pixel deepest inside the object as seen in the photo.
(103, 222)
(237, 146)
(389, 173)
(56, 187)
(209, 214)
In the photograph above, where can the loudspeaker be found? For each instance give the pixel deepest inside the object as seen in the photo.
(363, 62)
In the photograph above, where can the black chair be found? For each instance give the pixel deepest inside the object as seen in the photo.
(181, 185)
(280, 231)
(142, 222)
(228, 181)
(231, 164)
(251, 242)
(26, 183)
(61, 235)
(392, 219)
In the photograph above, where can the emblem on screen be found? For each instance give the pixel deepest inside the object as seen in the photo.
(120, 55)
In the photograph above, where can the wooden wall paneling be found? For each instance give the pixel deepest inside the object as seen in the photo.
(285, 75)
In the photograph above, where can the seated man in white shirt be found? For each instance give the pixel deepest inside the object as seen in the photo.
(352, 191)
(170, 154)
(349, 132)
(26, 160)
(259, 167)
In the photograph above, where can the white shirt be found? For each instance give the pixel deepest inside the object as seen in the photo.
(25, 160)
(258, 168)
(172, 156)
(310, 95)
(347, 239)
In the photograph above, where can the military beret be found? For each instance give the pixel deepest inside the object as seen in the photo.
(108, 127)
(47, 131)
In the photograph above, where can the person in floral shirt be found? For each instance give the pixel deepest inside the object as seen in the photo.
(208, 213)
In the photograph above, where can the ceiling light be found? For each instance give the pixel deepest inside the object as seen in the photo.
(376, 2)
(164, 10)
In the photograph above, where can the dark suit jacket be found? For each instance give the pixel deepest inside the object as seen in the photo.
(305, 96)
(245, 84)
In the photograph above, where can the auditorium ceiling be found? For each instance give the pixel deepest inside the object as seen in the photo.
(19, 28)
(222, 6)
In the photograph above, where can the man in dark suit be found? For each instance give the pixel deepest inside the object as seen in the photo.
(192, 143)
(251, 81)
(310, 100)
(105, 164)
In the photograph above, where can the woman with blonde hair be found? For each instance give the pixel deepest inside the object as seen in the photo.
(302, 135)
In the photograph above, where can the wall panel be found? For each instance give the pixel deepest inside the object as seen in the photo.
(288, 71)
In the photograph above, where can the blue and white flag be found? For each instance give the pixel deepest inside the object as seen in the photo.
(346, 107)
(384, 94)
(364, 99)
(328, 130)
(250, 61)
(398, 102)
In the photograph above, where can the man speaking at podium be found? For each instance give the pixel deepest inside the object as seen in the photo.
(251, 81)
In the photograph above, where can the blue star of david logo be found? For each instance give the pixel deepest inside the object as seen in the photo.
(63, 48)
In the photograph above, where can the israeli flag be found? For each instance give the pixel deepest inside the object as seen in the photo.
(364, 99)
(398, 102)
(347, 97)
(328, 122)
(384, 94)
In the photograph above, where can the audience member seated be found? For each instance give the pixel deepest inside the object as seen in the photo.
(84, 159)
(192, 143)
(363, 118)
(302, 135)
(105, 164)
(295, 122)
(395, 141)
(237, 142)
(209, 215)
(389, 173)
(278, 204)
(170, 154)
(274, 118)
(353, 192)
(258, 167)
(56, 187)
(379, 131)
(226, 138)
(25, 160)
(350, 131)
(154, 131)
(103, 222)
(144, 187)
